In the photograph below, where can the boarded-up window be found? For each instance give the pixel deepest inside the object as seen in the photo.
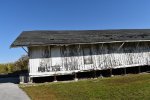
(87, 55)
(56, 58)
(46, 52)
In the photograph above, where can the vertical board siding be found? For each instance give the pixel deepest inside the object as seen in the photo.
(48, 59)
(56, 61)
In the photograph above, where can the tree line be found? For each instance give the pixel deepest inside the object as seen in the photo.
(19, 65)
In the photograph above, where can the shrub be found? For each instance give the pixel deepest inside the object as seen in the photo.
(20, 64)
(3, 68)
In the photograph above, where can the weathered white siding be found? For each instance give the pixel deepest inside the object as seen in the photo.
(50, 60)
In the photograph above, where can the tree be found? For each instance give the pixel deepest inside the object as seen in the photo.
(22, 63)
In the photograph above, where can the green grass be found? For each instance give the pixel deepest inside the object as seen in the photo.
(130, 87)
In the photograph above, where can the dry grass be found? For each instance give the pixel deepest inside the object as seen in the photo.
(130, 87)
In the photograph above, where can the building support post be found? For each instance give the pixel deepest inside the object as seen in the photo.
(55, 78)
(101, 76)
(75, 76)
(139, 69)
(21, 78)
(111, 72)
(125, 71)
(30, 79)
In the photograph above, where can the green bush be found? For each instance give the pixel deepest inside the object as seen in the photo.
(20, 64)
(3, 68)
(10, 68)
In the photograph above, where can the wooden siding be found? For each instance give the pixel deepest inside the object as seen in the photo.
(50, 60)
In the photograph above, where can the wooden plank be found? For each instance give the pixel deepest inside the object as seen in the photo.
(72, 58)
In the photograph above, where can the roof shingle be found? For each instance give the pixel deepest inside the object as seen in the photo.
(31, 38)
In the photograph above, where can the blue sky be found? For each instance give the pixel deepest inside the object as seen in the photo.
(19, 15)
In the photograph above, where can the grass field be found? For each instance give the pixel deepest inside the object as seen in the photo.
(129, 87)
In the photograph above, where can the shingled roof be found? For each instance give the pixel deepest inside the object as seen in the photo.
(33, 38)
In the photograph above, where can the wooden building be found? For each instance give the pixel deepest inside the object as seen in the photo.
(66, 52)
